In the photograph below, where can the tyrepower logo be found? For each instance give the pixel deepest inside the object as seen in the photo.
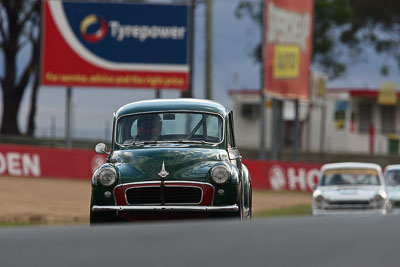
(19, 164)
(93, 21)
(121, 32)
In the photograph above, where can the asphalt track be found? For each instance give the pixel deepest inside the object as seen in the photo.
(321, 241)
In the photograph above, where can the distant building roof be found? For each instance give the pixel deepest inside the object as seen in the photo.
(365, 92)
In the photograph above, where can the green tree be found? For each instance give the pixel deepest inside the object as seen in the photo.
(343, 29)
(19, 30)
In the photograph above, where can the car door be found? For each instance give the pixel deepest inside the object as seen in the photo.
(234, 155)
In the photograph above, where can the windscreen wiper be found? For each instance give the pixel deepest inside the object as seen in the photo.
(133, 143)
(150, 142)
(196, 142)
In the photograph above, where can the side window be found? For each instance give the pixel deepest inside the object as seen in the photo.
(230, 133)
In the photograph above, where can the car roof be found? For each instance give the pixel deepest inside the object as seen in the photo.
(351, 165)
(180, 104)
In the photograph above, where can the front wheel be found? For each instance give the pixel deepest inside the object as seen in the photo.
(98, 217)
(244, 213)
(240, 201)
(250, 215)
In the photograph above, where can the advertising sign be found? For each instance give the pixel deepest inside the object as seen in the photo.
(279, 176)
(33, 161)
(288, 47)
(115, 45)
(387, 94)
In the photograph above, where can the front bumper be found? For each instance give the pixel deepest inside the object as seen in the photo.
(230, 208)
(317, 212)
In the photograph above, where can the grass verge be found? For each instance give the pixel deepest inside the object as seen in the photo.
(281, 193)
(296, 210)
(19, 224)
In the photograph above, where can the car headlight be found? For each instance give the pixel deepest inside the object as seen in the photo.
(378, 198)
(319, 199)
(220, 174)
(106, 176)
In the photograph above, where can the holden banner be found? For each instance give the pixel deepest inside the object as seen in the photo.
(54, 163)
(115, 45)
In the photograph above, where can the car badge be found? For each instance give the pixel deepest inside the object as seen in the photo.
(163, 173)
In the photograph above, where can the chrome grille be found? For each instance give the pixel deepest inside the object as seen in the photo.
(396, 204)
(349, 204)
(172, 195)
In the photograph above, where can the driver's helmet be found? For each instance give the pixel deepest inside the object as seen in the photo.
(149, 127)
(337, 180)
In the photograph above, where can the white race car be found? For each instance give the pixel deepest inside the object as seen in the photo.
(350, 187)
(392, 180)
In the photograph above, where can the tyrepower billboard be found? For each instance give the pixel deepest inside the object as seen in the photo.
(288, 47)
(115, 45)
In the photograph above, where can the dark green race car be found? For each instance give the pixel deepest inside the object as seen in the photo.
(171, 159)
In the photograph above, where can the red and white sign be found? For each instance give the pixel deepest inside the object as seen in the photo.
(280, 176)
(288, 46)
(114, 45)
(32, 161)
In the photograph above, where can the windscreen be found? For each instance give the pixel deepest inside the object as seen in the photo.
(392, 177)
(340, 177)
(170, 127)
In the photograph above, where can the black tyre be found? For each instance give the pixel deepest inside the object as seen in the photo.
(240, 201)
(98, 217)
(250, 203)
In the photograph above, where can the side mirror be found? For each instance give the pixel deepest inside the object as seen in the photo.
(101, 148)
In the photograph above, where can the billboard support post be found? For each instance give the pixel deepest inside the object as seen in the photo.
(209, 49)
(281, 129)
(278, 130)
(68, 139)
(158, 93)
(189, 92)
(296, 132)
(275, 133)
(262, 87)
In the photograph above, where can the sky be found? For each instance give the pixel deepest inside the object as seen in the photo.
(233, 68)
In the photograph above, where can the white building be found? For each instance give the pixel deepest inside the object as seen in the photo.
(347, 120)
